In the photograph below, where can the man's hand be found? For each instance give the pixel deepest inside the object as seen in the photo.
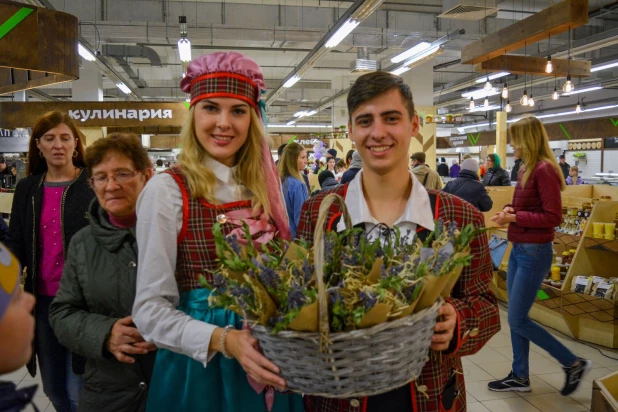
(445, 327)
(126, 340)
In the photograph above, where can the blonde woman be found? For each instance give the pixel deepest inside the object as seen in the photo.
(532, 217)
(226, 174)
(292, 164)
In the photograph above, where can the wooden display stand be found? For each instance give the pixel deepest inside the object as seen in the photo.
(605, 394)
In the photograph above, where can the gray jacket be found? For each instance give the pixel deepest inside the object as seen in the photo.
(97, 289)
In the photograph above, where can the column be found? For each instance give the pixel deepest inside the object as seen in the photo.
(89, 88)
(420, 80)
(501, 128)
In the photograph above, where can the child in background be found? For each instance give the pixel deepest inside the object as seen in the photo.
(574, 178)
(340, 168)
(16, 332)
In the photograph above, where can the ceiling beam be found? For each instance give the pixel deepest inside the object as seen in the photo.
(534, 66)
(560, 17)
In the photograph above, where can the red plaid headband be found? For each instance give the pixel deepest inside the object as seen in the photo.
(231, 85)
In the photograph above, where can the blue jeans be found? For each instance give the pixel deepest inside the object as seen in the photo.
(60, 384)
(529, 263)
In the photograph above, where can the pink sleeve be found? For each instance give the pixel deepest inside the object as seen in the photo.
(548, 189)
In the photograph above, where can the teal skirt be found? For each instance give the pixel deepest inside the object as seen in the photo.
(180, 383)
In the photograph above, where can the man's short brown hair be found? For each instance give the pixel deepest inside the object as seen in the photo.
(419, 157)
(373, 84)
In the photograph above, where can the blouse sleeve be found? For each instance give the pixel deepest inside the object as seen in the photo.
(159, 221)
(298, 195)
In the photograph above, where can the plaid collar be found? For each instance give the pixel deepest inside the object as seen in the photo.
(224, 84)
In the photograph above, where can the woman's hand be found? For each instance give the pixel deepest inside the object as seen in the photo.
(444, 329)
(242, 346)
(508, 209)
(504, 218)
(126, 340)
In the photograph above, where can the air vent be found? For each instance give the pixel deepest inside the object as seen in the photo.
(468, 12)
(363, 66)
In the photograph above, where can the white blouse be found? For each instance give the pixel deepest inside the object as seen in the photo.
(159, 221)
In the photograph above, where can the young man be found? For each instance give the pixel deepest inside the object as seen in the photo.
(428, 178)
(442, 168)
(382, 123)
(564, 166)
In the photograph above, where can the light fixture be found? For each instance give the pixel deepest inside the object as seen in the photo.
(524, 99)
(588, 89)
(555, 94)
(311, 113)
(548, 67)
(488, 85)
(417, 59)
(505, 91)
(486, 103)
(184, 45)
(613, 107)
(492, 77)
(578, 108)
(531, 101)
(327, 126)
(480, 93)
(568, 86)
(508, 107)
(471, 104)
(146, 141)
(604, 67)
(400, 70)
(291, 81)
(85, 53)
(123, 88)
(290, 123)
(302, 113)
(411, 52)
(485, 109)
(341, 33)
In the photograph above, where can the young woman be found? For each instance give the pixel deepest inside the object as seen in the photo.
(226, 174)
(330, 165)
(49, 207)
(532, 217)
(495, 175)
(91, 314)
(574, 178)
(291, 167)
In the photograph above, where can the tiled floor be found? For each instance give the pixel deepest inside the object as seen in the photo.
(492, 362)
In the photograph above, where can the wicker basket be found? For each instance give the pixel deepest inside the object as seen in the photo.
(361, 362)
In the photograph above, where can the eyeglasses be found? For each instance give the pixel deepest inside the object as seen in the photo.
(123, 176)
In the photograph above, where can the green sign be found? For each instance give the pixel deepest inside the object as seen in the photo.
(614, 122)
(14, 20)
(473, 139)
(565, 131)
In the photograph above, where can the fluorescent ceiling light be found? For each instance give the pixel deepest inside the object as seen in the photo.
(291, 122)
(311, 113)
(123, 88)
(85, 53)
(410, 52)
(604, 67)
(302, 113)
(589, 89)
(474, 125)
(301, 125)
(492, 77)
(484, 109)
(184, 49)
(422, 55)
(400, 70)
(594, 109)
(341, 33)
(478, 94)
(291, 81)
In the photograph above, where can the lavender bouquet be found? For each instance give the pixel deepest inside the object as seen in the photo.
(367, 282)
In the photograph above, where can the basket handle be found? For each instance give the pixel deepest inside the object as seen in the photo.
(318, 250)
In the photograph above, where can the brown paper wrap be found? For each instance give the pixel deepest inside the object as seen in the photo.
(453, 276)
(376, 315)
(266, 304)
(307, 319)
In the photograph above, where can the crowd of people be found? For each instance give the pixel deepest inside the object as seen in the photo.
(114, 251)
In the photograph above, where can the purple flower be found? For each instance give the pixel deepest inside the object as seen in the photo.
(269, 278)
(367, 299)
(452, 227)
(241, 291)
(408, 291)
(383, 273)
(307, 271)
(220, 282)
(296, 297)
(395, 270)
(232, 240)
(334, 296)
(329, 246)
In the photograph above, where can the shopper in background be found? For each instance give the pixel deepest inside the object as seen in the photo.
(574, 178)
(226, 175)
(532, 217)
(320, 166)
(516, 167)
(348, 158)
(482, 168)
(454, 170)
(280, 153)
(330, 165)
(442, 168)
(340, 168)
(355, 166)
(564, 166)
(495, 175)
(468, 187)
(5, 171)
(291, 167)
(428, 178)
(16, 332)
(327, 180)
(49, 207)
(331, 153)
(91, 313)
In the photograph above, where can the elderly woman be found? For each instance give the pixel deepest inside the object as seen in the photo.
(91, 314)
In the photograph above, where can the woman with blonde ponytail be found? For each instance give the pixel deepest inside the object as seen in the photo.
(226, 175)
(293, 162)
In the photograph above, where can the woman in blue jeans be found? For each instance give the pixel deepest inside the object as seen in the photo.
(535, 212)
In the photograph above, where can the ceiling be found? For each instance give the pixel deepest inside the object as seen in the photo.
(279, 34)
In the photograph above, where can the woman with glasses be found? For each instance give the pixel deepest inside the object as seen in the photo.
(50, 205)
(91, 314)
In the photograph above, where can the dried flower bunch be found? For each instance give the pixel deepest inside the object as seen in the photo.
(367, 282)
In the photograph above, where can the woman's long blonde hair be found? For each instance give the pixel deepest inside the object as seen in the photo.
(530, 136)
(288, 164)
(250, 171)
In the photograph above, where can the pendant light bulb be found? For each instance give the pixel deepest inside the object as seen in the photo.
(508, 107)
(471, 104)
(488, 85)
(505, 91)
(524, 99)
(549, 67)
(555, 94)
(568, 86)
(486, 103)
(531, 101)
(578, 108)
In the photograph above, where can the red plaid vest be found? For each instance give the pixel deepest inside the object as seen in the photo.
(196, 245)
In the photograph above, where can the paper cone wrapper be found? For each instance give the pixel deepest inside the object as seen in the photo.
(265, 301)
(374, 275)
(376, 315)
(307, 319)
(453, 276)
(295, 252)
(405, 310)
(432, 288)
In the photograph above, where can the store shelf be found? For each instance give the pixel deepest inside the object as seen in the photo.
(601, 244)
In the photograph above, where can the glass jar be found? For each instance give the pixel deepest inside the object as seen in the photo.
(566, 258)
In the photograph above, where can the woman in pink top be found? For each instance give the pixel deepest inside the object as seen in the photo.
(49, 207)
